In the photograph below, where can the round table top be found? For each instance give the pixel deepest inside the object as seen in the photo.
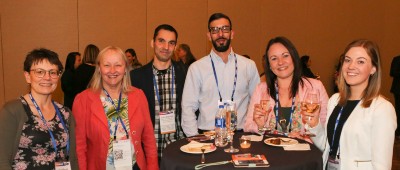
(278, 158)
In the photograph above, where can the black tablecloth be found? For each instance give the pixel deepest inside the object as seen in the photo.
(174, 159)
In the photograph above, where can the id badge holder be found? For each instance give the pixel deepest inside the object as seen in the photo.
(62, 165)
(167, 121)
(224, 103)
(122, 153)
(333, 163)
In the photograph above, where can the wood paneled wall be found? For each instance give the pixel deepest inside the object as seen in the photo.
(320, 29)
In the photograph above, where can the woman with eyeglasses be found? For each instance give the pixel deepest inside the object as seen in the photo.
(37, 132)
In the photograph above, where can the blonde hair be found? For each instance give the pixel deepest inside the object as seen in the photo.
(96, 83)
(374, 81)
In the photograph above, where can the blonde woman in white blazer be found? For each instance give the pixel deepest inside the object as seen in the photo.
(365, 139)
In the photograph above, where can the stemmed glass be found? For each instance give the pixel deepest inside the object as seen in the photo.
(265, 106)
(309, 105)
(231, 123)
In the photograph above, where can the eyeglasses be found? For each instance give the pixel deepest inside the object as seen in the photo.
(224, 29)
(40, 73)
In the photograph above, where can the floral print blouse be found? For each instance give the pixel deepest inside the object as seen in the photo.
(35, 150)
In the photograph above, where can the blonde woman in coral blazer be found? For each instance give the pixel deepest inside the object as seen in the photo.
(359, 133)
(97, 117)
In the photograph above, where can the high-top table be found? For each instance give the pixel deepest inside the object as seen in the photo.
(174, 159)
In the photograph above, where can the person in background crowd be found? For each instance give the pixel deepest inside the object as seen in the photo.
(395, 89)
(221, 76)
(359, 132)
(112, 119)
(67, 78)
(132, 59)
(306, 63)
(37, 132)
(247, 56)
(287, 88)
(184, 55)
(162, 82)
(85, 71)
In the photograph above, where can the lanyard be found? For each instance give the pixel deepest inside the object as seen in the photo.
(216, 78)
(117, 109)
(53, 141)
(172, 87)
(277, 108)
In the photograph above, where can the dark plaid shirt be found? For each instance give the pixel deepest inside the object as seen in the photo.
(167, 102)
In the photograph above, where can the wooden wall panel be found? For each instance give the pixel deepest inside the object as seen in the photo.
(189, 18)
(120, 23)
(32, 24)
(1, 63)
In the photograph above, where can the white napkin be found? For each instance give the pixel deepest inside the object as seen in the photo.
(255, 138)
(298, 147)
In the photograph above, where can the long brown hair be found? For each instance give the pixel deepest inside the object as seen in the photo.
(374, 82)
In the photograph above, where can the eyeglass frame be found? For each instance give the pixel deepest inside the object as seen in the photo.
(215, 30)
(46, 71)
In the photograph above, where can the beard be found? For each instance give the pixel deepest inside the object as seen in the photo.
(222, 47)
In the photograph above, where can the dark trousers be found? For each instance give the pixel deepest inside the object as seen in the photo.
(135, 167)
(397, 108)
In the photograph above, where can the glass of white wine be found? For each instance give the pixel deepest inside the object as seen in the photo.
(265, 106)
(310, 104)
(231, 123)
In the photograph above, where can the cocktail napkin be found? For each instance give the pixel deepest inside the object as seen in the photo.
(298, 147)
(255, 138)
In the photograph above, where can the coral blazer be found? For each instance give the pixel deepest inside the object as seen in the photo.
(92, 131)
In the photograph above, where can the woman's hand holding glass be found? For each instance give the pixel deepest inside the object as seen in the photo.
(310, 109)
(261, 112)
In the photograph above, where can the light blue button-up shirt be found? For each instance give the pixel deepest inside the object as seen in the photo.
(201, 92)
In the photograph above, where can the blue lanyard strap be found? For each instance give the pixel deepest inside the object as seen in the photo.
(172, 88)
(216, 78)
(277, 108)
(117, 109)
(53, 141)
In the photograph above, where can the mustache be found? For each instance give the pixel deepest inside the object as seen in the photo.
(221, 38)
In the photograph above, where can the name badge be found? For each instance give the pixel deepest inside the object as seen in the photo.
(167, 121)
(62, 165)
(225, 103)
(333, 163)
(122, 151)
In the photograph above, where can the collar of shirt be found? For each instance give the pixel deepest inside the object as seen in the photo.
(216, 57)
(161, 72)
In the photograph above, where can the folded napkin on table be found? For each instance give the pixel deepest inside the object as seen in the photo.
(298, 147)
(194, 146)
(255, 138)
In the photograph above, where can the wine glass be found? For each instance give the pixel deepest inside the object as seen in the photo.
(231, 123)
(265, 106)
(310, 104)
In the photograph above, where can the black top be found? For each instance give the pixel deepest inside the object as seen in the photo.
(67, 79)
(83, 74)
(348, 108)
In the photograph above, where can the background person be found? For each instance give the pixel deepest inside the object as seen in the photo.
(395, 89)
(36, 131)
(359, 132)
(306, 64)
(67, 78)
(85, 71)
(184, 55)
(133, 61)
(110, 112)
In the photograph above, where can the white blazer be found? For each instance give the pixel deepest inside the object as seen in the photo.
(367, 138)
